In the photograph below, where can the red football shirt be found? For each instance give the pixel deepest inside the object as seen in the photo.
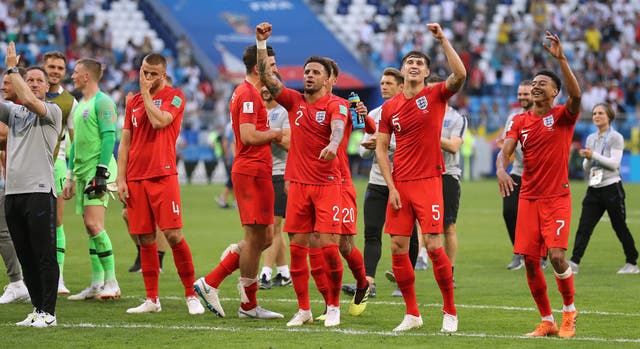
(417, 125)
(310, 133)
(152, 152)
(247, 106)
(545, 147)
(345, 169)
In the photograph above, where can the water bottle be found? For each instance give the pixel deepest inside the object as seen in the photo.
(358, 120)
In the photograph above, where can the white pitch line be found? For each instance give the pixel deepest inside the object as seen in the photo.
(414, 333)
(431, 305)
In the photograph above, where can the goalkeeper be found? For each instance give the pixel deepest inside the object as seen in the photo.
(91, 168)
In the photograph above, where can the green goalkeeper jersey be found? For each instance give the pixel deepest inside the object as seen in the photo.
(92, 119)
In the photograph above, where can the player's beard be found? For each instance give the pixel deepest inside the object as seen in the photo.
(311, 90)
(528, 105)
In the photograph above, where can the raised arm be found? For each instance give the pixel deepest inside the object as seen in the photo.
(158, 118)
(269, 80)
(23, 92)
(570, 81)
(458, 72)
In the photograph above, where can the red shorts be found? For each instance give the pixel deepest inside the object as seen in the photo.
(255, 197)
(349, 212)
(154, 202)
(422, 200)
(313, 208)
(542, 224)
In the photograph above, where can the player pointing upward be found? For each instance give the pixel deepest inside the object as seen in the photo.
(415, 117)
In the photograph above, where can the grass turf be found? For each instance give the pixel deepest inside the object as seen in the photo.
(494, 304)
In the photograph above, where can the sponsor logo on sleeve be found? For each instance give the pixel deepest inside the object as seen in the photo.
(247, 107)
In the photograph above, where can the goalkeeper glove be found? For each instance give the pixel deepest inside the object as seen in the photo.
(97, 186)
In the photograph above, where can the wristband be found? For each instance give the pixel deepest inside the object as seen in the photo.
(261, 44)
(69, 175)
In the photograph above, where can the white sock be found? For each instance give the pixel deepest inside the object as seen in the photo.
(423, 252)
(570, 307)
(266, 271)
(548, 318)
(284, 271)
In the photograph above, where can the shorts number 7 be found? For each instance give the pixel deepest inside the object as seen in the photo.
(561, 222)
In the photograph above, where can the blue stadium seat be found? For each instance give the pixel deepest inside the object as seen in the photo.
(474, 104)
(342, 10)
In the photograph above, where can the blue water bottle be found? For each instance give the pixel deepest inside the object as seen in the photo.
(358, 120)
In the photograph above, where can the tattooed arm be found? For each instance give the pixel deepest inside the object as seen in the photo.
(268, 78)
(337, 133)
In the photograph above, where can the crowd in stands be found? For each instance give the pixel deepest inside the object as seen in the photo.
(600, 38)
(71, 27)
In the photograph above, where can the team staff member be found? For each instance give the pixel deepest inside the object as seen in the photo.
(253, 188)
(544, 208)
(16, 290)
(55, 64)
(602, 156)
(30, 204)
(317, 129)
(415, 117)
(148, 180)
(510, 203)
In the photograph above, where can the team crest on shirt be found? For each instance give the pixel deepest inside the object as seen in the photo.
(548, 121)
(422, 103)
(157, 102)
(85, 114)
(320, 116)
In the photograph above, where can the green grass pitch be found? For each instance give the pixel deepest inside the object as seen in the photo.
(494, 304)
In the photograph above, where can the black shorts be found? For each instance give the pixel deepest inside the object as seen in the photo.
(451, 198)
(280, 203)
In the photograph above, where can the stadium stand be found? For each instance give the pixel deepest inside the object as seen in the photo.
(497, 40)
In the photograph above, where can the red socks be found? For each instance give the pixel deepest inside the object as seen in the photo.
(405, 278)
(565, 286)
(333, 271)
(184, 264)
(356, 264)
(227, 266)
(318, 272)
(150, 266)
(250, 291)
(538, 284)
(300, 274)
(444, 277)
